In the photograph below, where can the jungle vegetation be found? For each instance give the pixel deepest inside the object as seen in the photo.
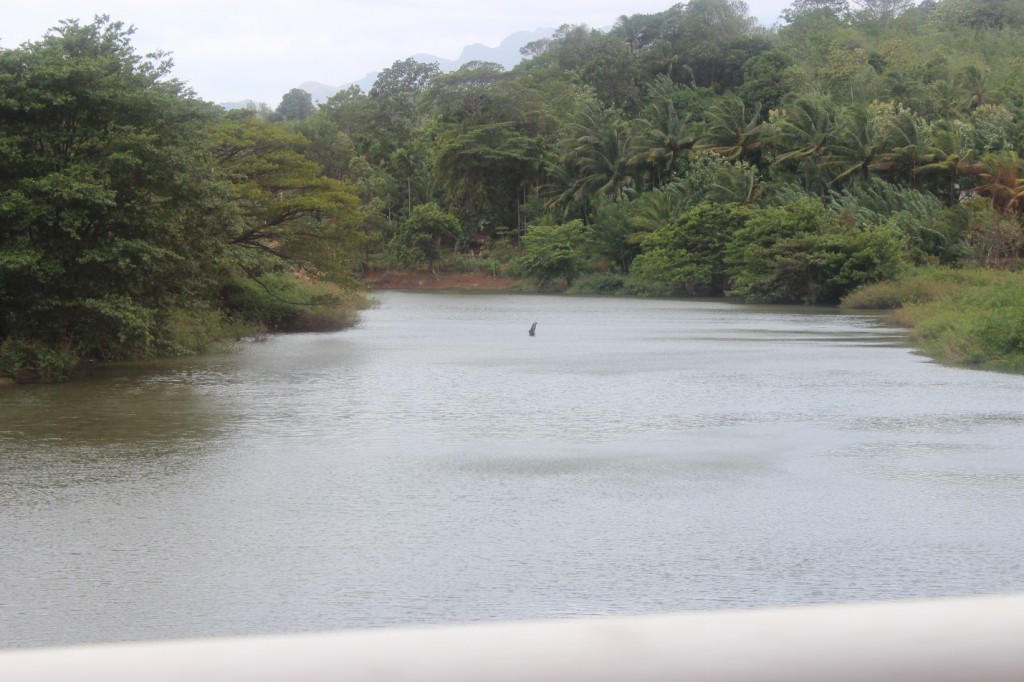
(686, 152)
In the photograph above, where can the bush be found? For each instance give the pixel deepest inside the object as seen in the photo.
(282, 303)
(800, 253)
(598, 283)
(687, 256)
(34, 362)
(552, 253)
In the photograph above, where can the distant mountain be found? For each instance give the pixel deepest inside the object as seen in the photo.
(507, 54)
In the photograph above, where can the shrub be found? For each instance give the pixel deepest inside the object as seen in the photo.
(597, 283)
(800, 253)
(687, 256)
(28, 361)
(281, 302)
(552, 253)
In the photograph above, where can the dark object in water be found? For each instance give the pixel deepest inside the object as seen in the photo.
(533, 329)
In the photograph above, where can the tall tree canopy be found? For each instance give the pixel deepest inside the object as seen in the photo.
(110, 204)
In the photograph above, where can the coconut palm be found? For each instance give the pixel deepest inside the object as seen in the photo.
(662, 140)
(950, 155)
(975, 88)
(802, 133)
(601, 150)
(595, 160)
(1000, 177)
(859, 145)
(732, 131)
(909, 137)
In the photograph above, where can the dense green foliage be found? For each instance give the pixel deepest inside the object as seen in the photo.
(686, 152)
(131, 211)
(902, 122)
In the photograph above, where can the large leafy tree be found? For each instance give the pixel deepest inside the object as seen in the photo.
(554, 252)
(295, 105)
(801, 253)
(111, 207)
(293, 216)
(489, 142)
(395, 100)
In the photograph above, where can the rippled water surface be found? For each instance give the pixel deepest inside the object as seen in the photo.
(437, 465)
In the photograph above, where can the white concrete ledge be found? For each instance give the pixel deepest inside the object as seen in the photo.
(938, 640)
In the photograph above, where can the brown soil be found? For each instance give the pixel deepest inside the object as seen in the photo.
(469, 281)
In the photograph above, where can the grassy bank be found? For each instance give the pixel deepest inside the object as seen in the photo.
(970, 317)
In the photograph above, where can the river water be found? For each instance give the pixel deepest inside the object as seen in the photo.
(437, 464)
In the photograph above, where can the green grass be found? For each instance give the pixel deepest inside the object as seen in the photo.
(970, 317)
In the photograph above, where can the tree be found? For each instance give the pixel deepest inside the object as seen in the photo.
(733, 131)
(596, 158)
(763, 80)
(909, 137)
(404, 78)
(296, 105)
(553, 252)
(112, 209)
(982, 15)
(687, 256)
(708, 31)
(395, 102)
(293, 216)
(485, 167)
(883, 10)
(803, 131)
(663, 136)
(859, 146)
(836, 10)
(427, 230)
(951, 155)
(1000, 178)
(601, 61)
(489, 140)
(611, 235)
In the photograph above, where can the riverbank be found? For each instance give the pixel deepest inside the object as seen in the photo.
(965, 317)
(428, 281)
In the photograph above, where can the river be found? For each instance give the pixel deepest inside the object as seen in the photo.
(437, 464)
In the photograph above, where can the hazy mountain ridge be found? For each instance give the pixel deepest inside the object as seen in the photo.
(506, 53)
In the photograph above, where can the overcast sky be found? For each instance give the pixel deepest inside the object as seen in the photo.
(230, 50)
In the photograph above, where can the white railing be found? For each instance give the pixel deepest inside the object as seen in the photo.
(975, 639)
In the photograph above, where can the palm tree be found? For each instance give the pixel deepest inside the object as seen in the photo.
(909, 136)
(597, 156)
(975, 88)
(858, 146)
(949, 98)
(1001, 179)
(803, 131)
(950, 154)
(736, 183)
(733, 132)
(656, 209)
(662, 140)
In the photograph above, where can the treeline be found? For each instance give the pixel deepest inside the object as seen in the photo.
(695, 151)
(691, 151)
